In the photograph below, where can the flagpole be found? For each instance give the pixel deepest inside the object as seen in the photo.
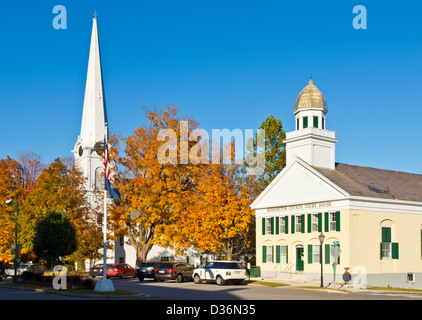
(105, 213)
(105, 237)
(105, 285)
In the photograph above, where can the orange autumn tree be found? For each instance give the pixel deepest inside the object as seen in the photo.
(11, 187)
(61, 187)
(222, 218)
(154, 180)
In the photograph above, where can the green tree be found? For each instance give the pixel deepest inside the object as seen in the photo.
(275, 156)
(55, 237)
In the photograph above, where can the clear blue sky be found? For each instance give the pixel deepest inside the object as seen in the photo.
(228, 64)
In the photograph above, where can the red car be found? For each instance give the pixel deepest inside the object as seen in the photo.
(121, 270)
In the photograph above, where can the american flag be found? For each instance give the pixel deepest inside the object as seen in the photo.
(106, 162)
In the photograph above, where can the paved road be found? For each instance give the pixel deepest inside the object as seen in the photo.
(192, 291)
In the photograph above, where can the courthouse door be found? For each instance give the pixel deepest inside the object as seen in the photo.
(299, 257)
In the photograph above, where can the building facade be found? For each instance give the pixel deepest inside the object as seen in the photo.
(371, 217)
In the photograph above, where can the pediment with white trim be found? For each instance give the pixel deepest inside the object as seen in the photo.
(296, 184)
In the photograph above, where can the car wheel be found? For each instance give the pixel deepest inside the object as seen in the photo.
(179, 278)
(197, 279)
(219, 281)
(141, 278)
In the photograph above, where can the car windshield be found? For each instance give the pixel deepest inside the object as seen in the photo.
(108, 266)
(145, 265)
(165, 266)
(223, 265)
(233, 265)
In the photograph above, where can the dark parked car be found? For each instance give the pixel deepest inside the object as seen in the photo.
(146, 270)
(2, 271)
(121, 270)
(179, 271)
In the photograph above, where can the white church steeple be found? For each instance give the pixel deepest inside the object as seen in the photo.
(94, 118)
(311, 141)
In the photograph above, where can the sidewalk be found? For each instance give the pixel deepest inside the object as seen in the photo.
(340, 287)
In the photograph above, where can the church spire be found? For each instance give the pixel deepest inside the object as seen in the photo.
(94, 116)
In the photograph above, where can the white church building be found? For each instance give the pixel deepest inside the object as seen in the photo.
(88, 157)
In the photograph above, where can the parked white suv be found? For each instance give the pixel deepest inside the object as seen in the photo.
(220, 272)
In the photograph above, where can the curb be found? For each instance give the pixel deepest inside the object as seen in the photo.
(78, 295)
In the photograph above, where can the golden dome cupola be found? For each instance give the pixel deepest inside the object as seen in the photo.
(310, 108)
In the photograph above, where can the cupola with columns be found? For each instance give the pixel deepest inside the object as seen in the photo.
(311, 141)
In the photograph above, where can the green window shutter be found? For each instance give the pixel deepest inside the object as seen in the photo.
(277, 225)
(327, 254)
(302, 223)
(272, 225)
(297, 124)
(293, 224)
(264, 254)
(338, 221)
(385, 234)
(287, 254)
(315, 122)
(326, 221)
(277, 254)
(309, 223)
(381, 251)
(286, 224)
(323, 123)
(310, 253)
(338, 259)
(305, 122)
(395, 249)
(263, 226)
(319, 222)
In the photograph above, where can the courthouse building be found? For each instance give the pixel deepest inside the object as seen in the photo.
(374, 216)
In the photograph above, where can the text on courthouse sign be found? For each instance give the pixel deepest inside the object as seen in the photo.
(301, 206)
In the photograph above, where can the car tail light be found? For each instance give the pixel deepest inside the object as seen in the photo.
(170, 270)
(156, 270)
(228, 273)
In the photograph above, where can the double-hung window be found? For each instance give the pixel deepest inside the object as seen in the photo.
(283, 254)
(332, 221)
(315, 222)
(282, 229)
(298, 224)
(268, 224)
(389, 249)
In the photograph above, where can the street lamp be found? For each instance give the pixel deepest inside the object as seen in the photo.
(321, 238)
(15, 278)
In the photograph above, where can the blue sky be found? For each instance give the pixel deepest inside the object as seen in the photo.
(228, 64)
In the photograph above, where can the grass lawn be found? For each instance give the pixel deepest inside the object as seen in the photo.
(265, 283)
(395, 289)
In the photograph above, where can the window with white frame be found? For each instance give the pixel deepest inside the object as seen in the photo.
(283, 254)
(316, 248)
(282, 225)
(315, 222)
(269, 254)
(298, 223)
(333, 221)
(267, 226)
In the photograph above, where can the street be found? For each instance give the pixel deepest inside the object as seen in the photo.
(186, 291)
(191, 291)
